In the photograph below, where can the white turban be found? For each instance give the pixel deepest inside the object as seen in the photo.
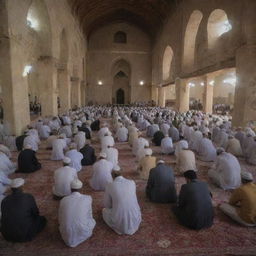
(16, 183)
(66, 160)
(76, 184)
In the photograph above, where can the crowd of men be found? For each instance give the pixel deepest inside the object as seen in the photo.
(187, 136)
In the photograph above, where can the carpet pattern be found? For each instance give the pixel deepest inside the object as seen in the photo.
(159, 233)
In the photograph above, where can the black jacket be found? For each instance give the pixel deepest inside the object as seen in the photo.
(89, 155)
(19, 142)
(27, 161)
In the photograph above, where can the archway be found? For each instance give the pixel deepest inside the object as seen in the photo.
(121, 73)
(167, 62)
(190, 39)
(218, 24)
(120, 96)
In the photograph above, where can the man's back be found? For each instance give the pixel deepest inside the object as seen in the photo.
(89, 157)
(75, 218)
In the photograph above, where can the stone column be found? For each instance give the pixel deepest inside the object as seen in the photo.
(75, 92)
(245, 94)
(64, 90)
(161, 97)
(182, 95)
(47, 83)
(154, 94)
(208, 94)
(83, 93)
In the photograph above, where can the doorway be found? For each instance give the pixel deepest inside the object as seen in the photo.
(120, 96)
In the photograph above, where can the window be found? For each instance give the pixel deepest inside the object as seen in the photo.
(120, 37)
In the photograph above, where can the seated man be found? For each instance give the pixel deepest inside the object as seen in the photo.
(161, 184)
(186, 160)
(194, 209)
(88, 153)
(58, 146)
(146, 164)
(227, 171)
(242, 204)
(122, 134)
(27, 161)
(101, 174)
(234, 147)
(206, 150)
(20, 216)
(76, 222)
(122, 212)
(19, 141)
(157, 138)
(63, 178)
(167, 145)
(75, 157)
(6, 165)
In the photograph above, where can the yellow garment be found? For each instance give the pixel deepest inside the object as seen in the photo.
(234, 147)
(245, 200)
(146, 164)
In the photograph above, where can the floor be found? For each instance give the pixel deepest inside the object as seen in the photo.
(159, 233)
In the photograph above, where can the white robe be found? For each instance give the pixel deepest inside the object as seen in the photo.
(112, 155)
(80, 139)
(196, 136)
(107, 141)
(76, 222)
(76, 158)
(44, 131)
(58, 147)
(5, 150)
(122, 134)
(101, 174)
(4, 182)
(10, 142)
(206, 150)
(167, 145)
(62, 181)
(49, 141)
(102, 132)
(6, 166)
(179, 146)
(122, 212)
(139, 144)
(31, 140)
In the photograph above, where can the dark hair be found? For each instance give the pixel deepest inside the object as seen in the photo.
(190, 174)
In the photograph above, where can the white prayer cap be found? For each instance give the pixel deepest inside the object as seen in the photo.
(160, 162)
(102, 154)
(116, 168)
(76, 184)
(27, 146)
(16, 183)
(246, 176)
(66, 160)
(148, 152)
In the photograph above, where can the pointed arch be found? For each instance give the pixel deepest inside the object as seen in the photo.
(167, 62)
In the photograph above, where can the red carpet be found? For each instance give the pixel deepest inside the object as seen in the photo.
(159, 233)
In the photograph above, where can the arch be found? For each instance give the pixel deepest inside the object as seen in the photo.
(120, 37)
(218, 24)
(121, 65)
(190, 38)
(167, 62)
(120, 96)
(64, 50)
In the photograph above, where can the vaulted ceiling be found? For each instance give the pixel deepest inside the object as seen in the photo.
(149, 15)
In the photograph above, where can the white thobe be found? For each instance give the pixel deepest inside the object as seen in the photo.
(165, 128)
(112, 155)
(102, 132)
(107, 141)
(58, 147)
(49, 141)
(62, 181)
(44, 131)
(179, 146)
(76, 222)
(143, 152)
(196, 136)
(10, 142)
(206, 150)
(122, 212)
(186, 161)
(31, 140)
(5, 150)
(67, 130)
(54, 125)
(101, 174)
(80, 139)
(76, 158)
(122, 134)
(139, 144)
(167, 145)
(227, 172)
(222, 139)
(6, 166)
(4, 182)
(234, 147)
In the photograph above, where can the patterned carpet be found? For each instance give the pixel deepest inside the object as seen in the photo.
(159, 233)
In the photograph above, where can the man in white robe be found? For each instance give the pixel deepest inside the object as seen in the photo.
(44, 131)
(101, 173)
(76, 222)
(233, 146)
(33, 141)
(227, 171)
(6, 166)
(164, 127)
(122, 212)
(186, 161)
(4, 182)
(67, 129)
(196, 136)
(179, 146)
(103, 130)
(107, 140)
(5, 150)
(143, 152)
(62, 179)
(58, 146)
(75, 157)
(112, 155)
(167, 145)
(206, 150)
(122, 134)
(139, 144)
(80, 139)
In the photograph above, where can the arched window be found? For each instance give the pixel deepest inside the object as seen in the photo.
(120, 37)
(190, 38)
(218, 24)
(167, 62)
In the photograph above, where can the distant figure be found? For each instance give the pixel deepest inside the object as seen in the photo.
(194, 209)
(20, 221)
(88, 153)
(157, 138)
(122, 212)
(76, 222)
(75, 157)
(161, 184)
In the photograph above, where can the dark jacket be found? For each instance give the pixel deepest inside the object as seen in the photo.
(27, 161)
(95, 125)
(19, 142)
(161, 185)
(87, 132)
(20, 220)
(89, 155)
(195, 208)
(158, 136)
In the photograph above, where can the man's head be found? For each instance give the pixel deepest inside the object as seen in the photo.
(115, 173)
(219, 151)
(246, 177)
(102, 155)
(190, 175)
(76, 184)
(66, 161)
(17, 184)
